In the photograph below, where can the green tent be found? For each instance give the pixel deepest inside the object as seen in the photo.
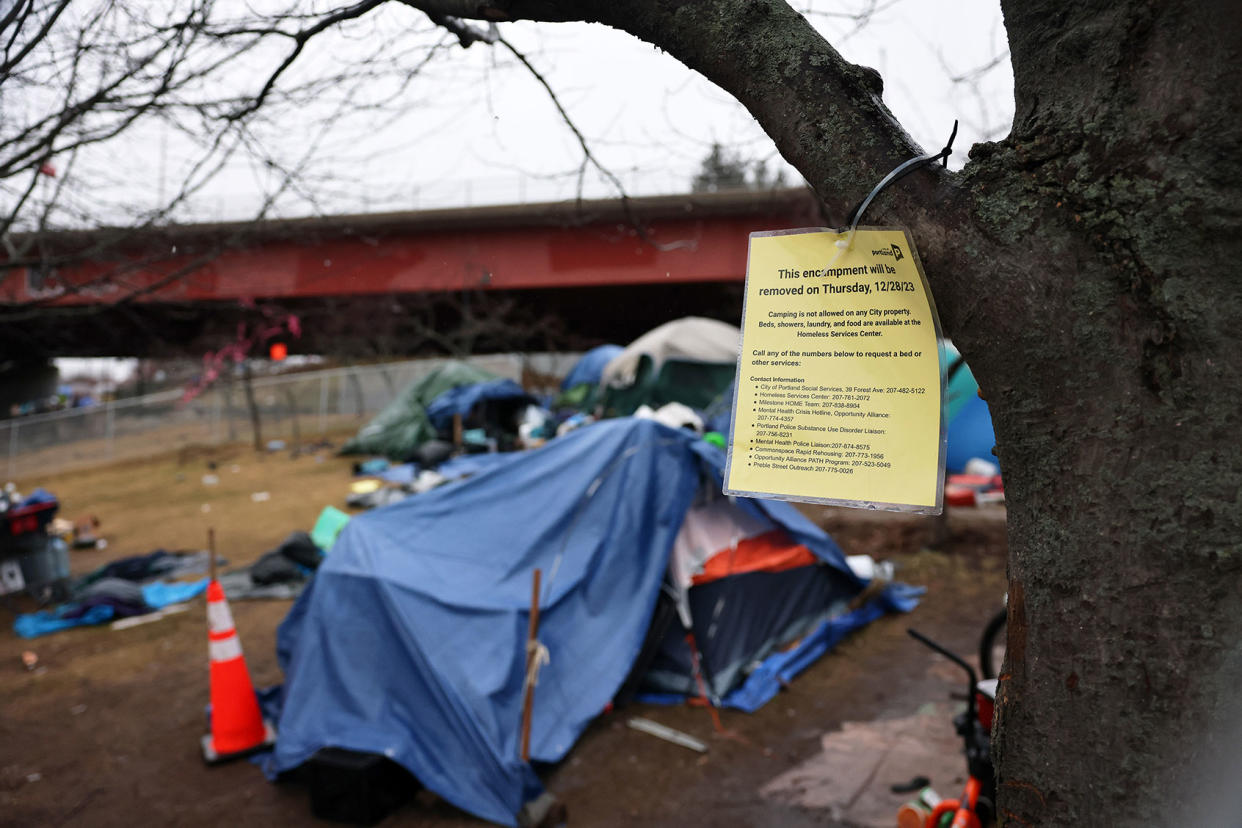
(696, 384)
(690, 360)
(403, 425)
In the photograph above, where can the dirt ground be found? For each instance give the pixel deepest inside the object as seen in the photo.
(106, 730)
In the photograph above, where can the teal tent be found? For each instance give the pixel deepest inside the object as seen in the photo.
(403, 425)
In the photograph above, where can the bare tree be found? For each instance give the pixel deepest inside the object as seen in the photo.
(225, 82)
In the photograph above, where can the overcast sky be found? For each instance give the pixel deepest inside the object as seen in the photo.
(473, 127)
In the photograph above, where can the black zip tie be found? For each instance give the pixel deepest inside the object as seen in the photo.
(901, 171)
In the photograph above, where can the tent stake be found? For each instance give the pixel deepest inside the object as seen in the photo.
(532, 665)
(211, 552)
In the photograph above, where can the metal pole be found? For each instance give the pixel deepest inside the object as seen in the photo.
(323, 402)
(216, 412)
(110, 426)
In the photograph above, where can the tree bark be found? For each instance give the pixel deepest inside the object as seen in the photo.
(1086, 268)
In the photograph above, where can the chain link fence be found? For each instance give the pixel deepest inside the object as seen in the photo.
(296, 408)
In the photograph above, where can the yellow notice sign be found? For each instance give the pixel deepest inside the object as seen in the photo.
(838, 382)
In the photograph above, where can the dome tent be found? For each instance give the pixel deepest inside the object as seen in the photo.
(690, 360)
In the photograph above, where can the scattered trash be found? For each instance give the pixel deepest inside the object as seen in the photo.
(918, 810)
(867, 568)
(373, 466)
(428, 480)
(668, 734)
(260, 497)
(33, 777)
(211, 479)
(30, 659)
(78, 709)
(974, 489)
(107, 603)
(84, 536)
(372, 500)
(330, 523)
(139, 620)
(281, 573)
(915, 784)
(365, 486)
(981, 467)
(574, 422)
(275, 445)
(673, 415)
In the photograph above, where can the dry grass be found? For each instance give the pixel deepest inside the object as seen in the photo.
(162, 502)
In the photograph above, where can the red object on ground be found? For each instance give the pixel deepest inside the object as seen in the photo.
(955, 495)
(237, 726)
(27, 519)
(974, 481)
(278, 351)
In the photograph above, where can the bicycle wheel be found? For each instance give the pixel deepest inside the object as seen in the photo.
(992, 645)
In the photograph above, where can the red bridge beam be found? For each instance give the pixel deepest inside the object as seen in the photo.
(683, 239)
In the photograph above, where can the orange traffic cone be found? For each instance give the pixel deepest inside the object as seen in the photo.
(237, 726)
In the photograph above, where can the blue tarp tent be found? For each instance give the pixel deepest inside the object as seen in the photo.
(462, 400)
(590, 367)
(410, 642)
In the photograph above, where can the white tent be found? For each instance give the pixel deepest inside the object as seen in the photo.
(691, 338)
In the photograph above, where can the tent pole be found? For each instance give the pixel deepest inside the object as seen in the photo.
(532, 666)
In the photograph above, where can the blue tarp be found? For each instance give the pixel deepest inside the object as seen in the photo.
(399, 475)
(970, 435)
(777, 670)
(462, 399)
(436, 589)
(589, 369)
(155, 596)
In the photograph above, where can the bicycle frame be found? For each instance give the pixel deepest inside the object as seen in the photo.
(977, 748)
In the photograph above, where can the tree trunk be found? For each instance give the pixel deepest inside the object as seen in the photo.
(1113, 382)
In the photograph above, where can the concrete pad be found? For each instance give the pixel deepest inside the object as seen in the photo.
(850, 777)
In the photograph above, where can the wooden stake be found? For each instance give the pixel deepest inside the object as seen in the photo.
(532, 638)
(458, 431)
(211, 553)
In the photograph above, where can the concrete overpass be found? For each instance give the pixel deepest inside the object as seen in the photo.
(514, 276)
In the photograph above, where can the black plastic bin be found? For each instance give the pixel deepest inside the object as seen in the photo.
(357, 788)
